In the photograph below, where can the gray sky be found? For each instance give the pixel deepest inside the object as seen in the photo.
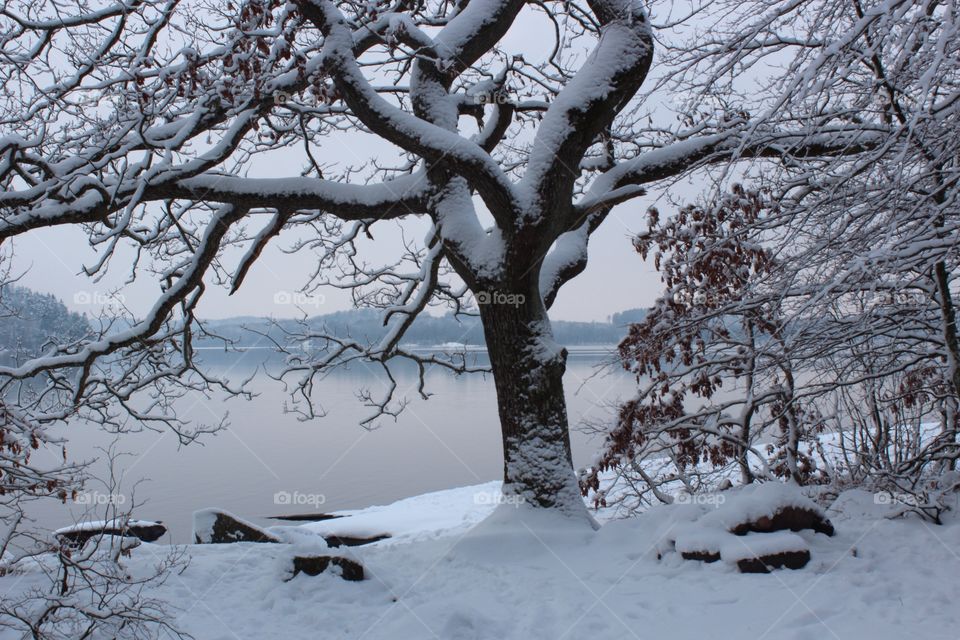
(616, 278)
(52, 260)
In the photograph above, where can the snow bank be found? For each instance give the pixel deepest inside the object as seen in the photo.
(431, 515)
(877, 578)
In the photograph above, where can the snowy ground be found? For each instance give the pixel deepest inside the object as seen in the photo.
(518, 576)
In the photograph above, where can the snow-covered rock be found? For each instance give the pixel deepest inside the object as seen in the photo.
(700, 543)
(767, 507)
(749, 527)
(763, 552)
(315, 565)
(78, 534)
(213, 526)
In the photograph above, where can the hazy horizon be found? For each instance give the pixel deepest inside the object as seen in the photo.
(52, 261)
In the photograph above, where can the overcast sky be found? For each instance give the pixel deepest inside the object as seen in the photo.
(616, 278)
(52, 260)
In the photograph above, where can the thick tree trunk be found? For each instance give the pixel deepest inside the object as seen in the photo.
(528, 369)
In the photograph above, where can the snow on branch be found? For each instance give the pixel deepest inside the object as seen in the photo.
(188, 281)
(426, 139)
(621, 182)
(588, 103)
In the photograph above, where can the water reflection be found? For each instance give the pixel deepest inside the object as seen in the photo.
(268, 462)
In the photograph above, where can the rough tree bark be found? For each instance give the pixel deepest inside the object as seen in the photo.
(528, 369)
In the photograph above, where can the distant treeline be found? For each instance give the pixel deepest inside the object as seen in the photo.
(364, 325)
(29, 321)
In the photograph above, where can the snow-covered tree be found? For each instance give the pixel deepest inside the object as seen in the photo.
(854, 324)
(143, 122)
(713, 356)
(31, 320)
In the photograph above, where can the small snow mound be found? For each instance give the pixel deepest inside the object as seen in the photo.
(862, 504)
(467, 624)
(520, 532)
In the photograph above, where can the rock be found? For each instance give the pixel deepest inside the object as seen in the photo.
(703, 556)
(315, 565)
(787, 518)
(307, 517)
(767, 507)
(697, 543)
(213, 526)
(766, 563)
(78, 534)
(335, 541)
(751, 527)
(763, 552)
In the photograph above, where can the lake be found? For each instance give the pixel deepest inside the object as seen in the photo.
(270, 463)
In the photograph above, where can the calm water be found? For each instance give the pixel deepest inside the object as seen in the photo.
(332, 463)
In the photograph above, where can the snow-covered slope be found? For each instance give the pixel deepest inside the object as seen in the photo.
(520, 576)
